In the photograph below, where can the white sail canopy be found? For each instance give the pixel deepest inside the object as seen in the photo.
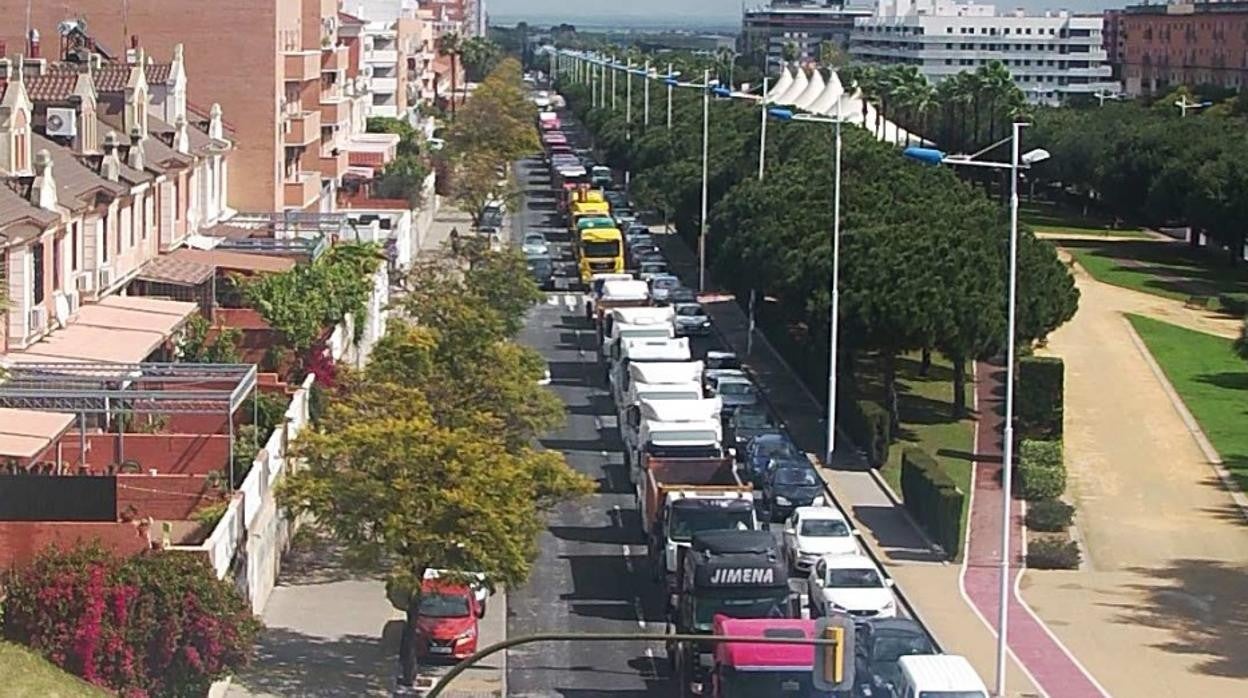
(781, 85)
(813, 89)
(800, 81)
(832, 93)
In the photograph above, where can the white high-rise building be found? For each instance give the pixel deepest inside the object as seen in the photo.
(1049, 56)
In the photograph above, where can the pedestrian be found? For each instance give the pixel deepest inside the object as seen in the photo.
(455, 240)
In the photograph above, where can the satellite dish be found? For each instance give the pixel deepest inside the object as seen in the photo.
(55, 122)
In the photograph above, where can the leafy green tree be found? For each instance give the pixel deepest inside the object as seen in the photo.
(480, 56)
(203, 344)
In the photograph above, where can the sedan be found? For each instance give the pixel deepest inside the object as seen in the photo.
(690, 319)
(812, 532)
(534, 245)
(763, 448)
(850, 584)
(541, 268)
(660, 283)
(682, 295)
(735, 391)
(878, 644)
(787, 488)
(745, 424)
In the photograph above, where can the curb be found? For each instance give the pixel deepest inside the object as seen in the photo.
(1193, 427)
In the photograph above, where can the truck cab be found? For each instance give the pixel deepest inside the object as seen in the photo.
(686, 513)
(746, 670)
(595, 289)
(616, 293)
(724, 573)
(697, 434)
(635, 322)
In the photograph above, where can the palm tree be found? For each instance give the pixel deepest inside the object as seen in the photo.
(920, 98)
(867, 79)
(725, 57)
(789, 52)
(911, 94)
(996, 84)
(451, 45)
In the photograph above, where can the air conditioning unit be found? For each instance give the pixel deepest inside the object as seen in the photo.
(82, 282)
(104, 279)
(62, 122)
(60, 308)
(75, 302)
(38, 320)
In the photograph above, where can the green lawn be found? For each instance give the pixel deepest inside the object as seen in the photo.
(926, 404)
(1167, 269)
(24, 674)
(1211, 380)
(1049, 218)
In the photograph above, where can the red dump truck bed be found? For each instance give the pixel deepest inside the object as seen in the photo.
(665, 475)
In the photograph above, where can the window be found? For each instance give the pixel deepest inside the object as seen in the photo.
(103, 238)
(57, 258)
(36, 258)
(74, 243)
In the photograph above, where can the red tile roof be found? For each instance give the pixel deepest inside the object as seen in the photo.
(51, 87)
(350, 20)
(111, 77)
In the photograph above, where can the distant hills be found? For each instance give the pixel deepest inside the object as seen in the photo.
(648, 23)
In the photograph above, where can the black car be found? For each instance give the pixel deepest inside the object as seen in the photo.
(878, 644)
(541, 268)
(617, 199)
(745, 424)
(788, 486)
(641, 249)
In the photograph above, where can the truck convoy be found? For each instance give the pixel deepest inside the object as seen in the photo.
(724, 572)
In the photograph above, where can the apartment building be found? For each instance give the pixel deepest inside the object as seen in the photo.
(802, 27)
(1204, 43)
(1051, 56)
(411, 31)
(103, 166)
(291, 150)
(1114, 42)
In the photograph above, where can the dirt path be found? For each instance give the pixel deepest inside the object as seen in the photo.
(1166, 582)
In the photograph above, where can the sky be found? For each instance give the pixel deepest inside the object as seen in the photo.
(717, 12)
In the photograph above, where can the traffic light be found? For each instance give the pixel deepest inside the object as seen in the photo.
(834, 659)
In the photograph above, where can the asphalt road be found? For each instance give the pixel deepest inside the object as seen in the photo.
(591, 574)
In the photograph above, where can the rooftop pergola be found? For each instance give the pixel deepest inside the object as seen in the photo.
(113, 389)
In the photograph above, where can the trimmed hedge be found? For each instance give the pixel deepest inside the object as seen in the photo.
(1234, 303)
(868, 425)
(1049, 515)
(1041, 380)
(1041, 472)
(1053, 555)
(932, 498)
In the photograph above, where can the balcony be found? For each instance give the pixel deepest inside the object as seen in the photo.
(382, 57)
(305, 128)
(302, 191)
(333, 166)
(302, 66)
(335, 59)
(334, 109)
(387, 85)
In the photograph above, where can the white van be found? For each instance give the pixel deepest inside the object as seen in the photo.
(938, 676)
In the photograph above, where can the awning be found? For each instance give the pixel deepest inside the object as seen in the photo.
(27, 433)
(118, 329)
(190, 267)
(372, 149)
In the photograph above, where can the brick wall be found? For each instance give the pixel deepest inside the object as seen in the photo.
(20, 541)
(172, 497)
(187, 453)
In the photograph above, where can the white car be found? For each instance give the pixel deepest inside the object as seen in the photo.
(535, 245)
(810, 533)
(852, 585)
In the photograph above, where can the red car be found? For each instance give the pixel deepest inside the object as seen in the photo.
(446, 624)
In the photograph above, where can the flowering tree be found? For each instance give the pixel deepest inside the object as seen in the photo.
(158, 624)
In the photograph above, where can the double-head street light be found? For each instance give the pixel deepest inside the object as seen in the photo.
(784, 114)
(1017, 162)
(1185, 105)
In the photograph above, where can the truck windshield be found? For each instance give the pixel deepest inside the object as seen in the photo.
(755, 606)
(789, 684)
(687, 521)
(952, 694)
(681, 451)
(601, 249)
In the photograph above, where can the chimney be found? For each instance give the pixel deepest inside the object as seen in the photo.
(43, 190)
(181, 140)
(133, 54)
(110, 166)
(216, 129)
(33, 43)
(135, 158)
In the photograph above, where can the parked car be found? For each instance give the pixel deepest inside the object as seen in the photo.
(765, 448)
(812, 532)
(617, 199)
(542, 269)
(850, 584)
(878, 646)
(796, 484)
(481, 587)
(446, 620)
(534, 244)
(690, 319)
(660, 283)
(716, 360)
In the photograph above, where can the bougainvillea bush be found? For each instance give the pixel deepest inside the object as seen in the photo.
(159, 624)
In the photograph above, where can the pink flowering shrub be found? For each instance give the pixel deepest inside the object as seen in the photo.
(159, 624)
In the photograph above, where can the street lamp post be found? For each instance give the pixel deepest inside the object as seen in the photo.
(835, 289)
(613, 72)
(645, 119)
(1185, 105)
(1017, 163)
(628, 102)
(668, 82)
(706, 129)
(762, 138)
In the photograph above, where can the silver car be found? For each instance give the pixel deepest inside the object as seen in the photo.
(691, 319)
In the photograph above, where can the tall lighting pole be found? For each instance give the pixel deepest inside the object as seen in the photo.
(628, 102)
(614, 70)
(645, 119)
(669, 97)
(706, 130)
(1016, 164)
(762, 138)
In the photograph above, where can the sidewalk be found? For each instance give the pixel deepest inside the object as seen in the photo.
(924, 578)
(1164, 583)
(1049, 662)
